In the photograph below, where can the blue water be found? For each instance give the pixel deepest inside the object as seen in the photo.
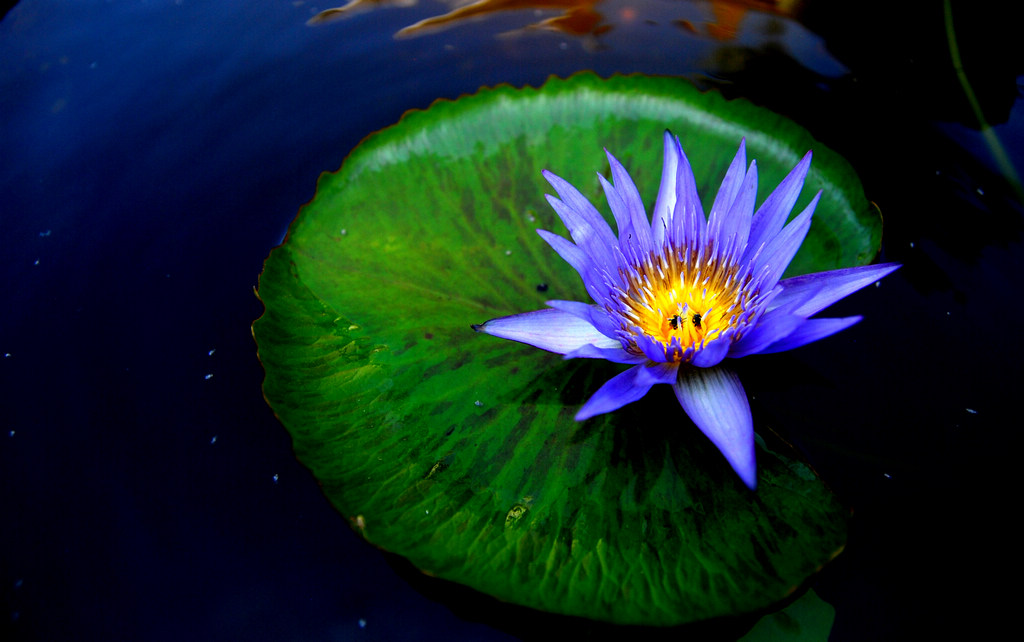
(152, 153)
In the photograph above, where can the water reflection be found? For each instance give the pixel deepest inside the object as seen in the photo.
(719, 19)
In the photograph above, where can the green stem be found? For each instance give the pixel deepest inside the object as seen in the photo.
(988, 134)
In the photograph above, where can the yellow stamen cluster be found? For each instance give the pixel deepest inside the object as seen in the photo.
(669, 296)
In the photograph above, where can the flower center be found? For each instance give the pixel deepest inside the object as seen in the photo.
(681, 300)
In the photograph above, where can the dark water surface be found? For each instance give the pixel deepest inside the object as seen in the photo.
(153, 152)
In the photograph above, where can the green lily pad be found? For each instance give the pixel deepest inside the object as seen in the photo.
(459, 451)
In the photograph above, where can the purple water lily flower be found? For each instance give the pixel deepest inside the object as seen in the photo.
(677, 295)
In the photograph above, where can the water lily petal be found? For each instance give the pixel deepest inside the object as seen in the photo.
(735, 226)
(574, 256)
(596, 240)
(711, 353)
(627, 387)
(729, 189)
(811, 330)
(772, 214)
(774, 325)
(715, 401)
(829, 287)
(781, 249)
(615, 355)
(666, 201)
(687, 224)
(547, 329)
(652, 348)
(765, 334)
(596, 315)
(628, 208)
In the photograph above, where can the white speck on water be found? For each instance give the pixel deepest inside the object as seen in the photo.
(45, 234)
(478, 403)
(878, 284)
(887, 475)
(362, 623)
(563, 45)
(7, 355)
(210, 353)
(971, 410)
(276, 478)
(209, 376)
(981, 192)
(10, 434)
(947, 313)
(911, 244)
(36, 262)
(213, 439)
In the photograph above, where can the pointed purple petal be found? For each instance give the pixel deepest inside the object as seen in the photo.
(616, 354)
(595, 315)
(547, 329)
(626, 388)
(773, 325)
(766, 332)
(637, 230)
(575, 257)
(712, 353)
(811, 330)
(596, 240)
(781, 249)
(772, 214)
(829, 287)
(730, 187)
(654, 349)
(715, 401)
(687, 224)
(735, 226)
(666, 202)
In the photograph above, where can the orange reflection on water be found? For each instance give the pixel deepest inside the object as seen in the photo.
(577, 17)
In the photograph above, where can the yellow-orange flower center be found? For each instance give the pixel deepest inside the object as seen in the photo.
(670, 296)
